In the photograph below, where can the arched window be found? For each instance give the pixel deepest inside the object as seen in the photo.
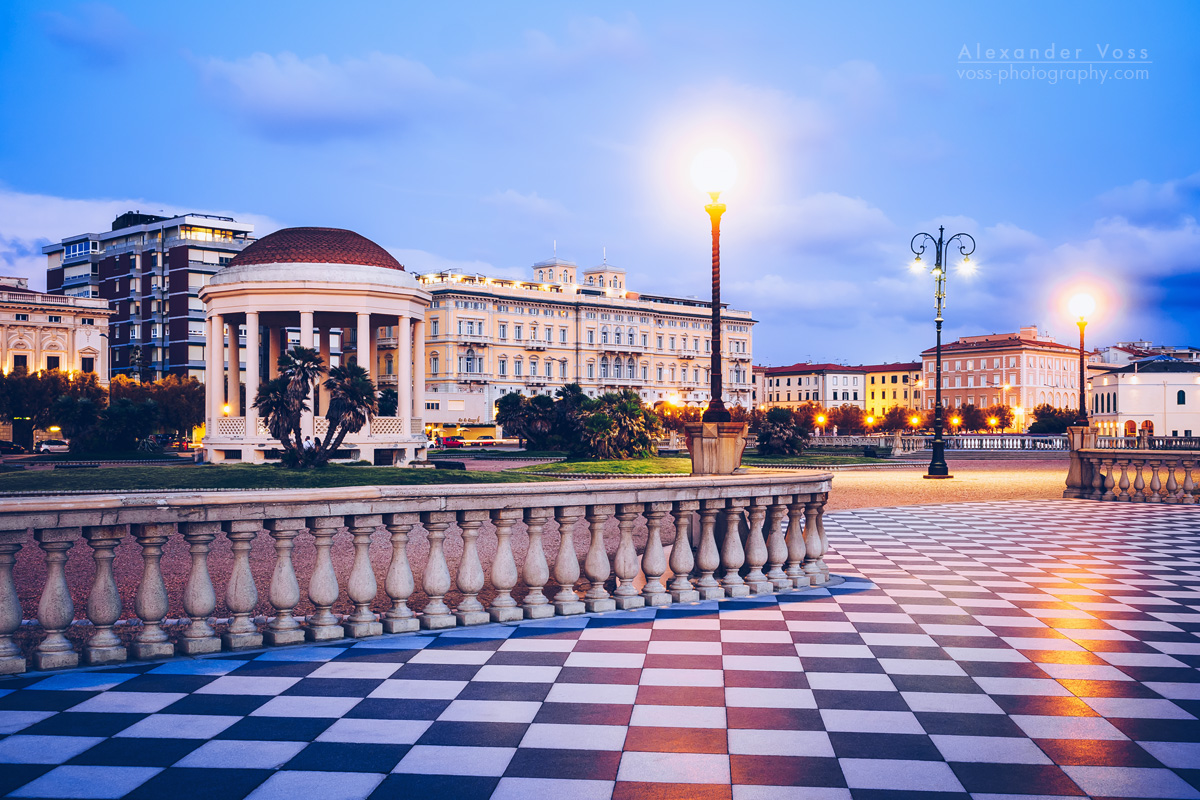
(533, 367)
(617, 366)
(434, 362)
(1180, 397)
(604, 335)
(470, 360)
(604, 367)
(1130, 428)
(617, 336)
(631, 369)
(632, 336)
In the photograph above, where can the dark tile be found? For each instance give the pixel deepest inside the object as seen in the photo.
(499, 690)
(464, 643)
(475, 734)
(924, 653)
(864, 701)
(751, 679)
(136, 752)
(584, 713)
(676, 740)
(1159, 730)
(181, 783)
(628, 677)
(38, 700)
(1097, 753)
(344, 757)
(434, 787)
(894, 794)
(436, 672)
(1038, 705)
(786, 771)
(968, 724)
(276, 729)
(235, 705)
(682, 662)
(14, 776)
(72, 723)
(276, 669)
(680, 696)
(775, 719)
(806, 637)
(332, 687)
(372, 655)
(750, 649)
(861, 665)
(164, 683)
(594, 765)
(1042, 779)
(1002, 669)
(939, 684)
(383, 708)
(908, 746)
(522, 659)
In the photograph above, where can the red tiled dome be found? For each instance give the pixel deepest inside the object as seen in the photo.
(316, 246)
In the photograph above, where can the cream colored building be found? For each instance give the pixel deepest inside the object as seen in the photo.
(829, 385)
(41, 331)
(485, 337)
(1158, 395)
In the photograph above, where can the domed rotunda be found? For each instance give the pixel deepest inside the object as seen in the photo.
(307, 286)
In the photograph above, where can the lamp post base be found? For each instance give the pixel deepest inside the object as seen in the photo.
(716, 447)
(937, 477)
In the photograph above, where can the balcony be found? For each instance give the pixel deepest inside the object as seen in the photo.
(464, 338)
(535, 346)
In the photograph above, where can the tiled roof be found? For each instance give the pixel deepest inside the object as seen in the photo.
(997, 344)
(316, 246)
(906, 366)
(805, 367)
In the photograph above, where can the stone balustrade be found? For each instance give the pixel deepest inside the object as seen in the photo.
(1130, 476)
(778, 541)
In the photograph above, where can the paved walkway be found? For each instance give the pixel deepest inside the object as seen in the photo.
(985, 650)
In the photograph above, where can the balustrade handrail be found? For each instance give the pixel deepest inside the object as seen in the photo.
(767, 521)
(1135, 476)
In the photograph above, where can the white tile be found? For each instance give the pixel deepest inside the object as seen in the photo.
(449, 655)
(684, 648)
(198, 666)
(234, 754)
(994, 654)
(354, 669)
(128, 702)
(756, 637)
(815, 626)
(613, 693)
(851, 681)
(814, 744)
(306, 707)
(25, 749)
(82, 682)
(678, 716)
(1177, 755)
(247, 684)
(532, 644)
(1039, 727)
(375, 731)
(617, 634)
(1083, 672)
(574, 737)
(899, 775)
(446, 760)
(762, 663)
(178, 726)
(683, 677)
(490, 711)
(399, 689)
(511, 673)
(1131, 782)
(951, 703)
(290, 784)
(855, 721)
(834, 651)
(990, 749)
(1140, 659)
(1136, 708)
(13, 721)
(1175, 691)
(1041, 643)
(301, 654)
(90, 782)
(674, 768)
(557, 788)
(751, 697)
(606, 660)
(1041, 687)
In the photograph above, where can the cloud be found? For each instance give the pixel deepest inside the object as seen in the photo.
(30, 221)
(531, 204)
(1154, 203)
(95, 32)
(422, 261)
(589, 44)
(292, 98)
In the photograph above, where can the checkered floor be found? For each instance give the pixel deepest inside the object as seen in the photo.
(985, 650)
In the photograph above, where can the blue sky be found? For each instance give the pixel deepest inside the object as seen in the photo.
(475, 135)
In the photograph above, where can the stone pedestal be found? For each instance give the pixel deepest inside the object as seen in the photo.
(1078, 484)
(191, 647)
(716, 447)
(409, 624)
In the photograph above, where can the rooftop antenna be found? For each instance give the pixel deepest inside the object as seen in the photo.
(556, 248)
(605, 251)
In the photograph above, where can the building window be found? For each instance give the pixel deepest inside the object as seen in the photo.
(53, 362)
(517, 368)
(54, 318)
(433, 326)
(562, 369)
(533, 367)
(502, 365)
(503, 330)
(21, 317)
(433, 364)
(389, 365)
(87, 364)
(604, 367)
(562, 335)
(659, 373)
(591, 370)
(591, 337)
(1181, 397)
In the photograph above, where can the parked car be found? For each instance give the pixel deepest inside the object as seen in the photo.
(453, 441)
(53, 446)
(11, 449)
(485, 440)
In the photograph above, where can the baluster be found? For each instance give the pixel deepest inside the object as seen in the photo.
(55, 610)
(470, 572)
(777, 551)
(537, 572)
(1123, 484)
(1172, 495)
(436, 580)
(708, 557)
(504, 567)
(596, 564)
(199, 599)
(654, 558)
(625, 561)
(756, 547)
(682, 559)
(566, 564)
(1109, 482)
(1189, 486)
(104, 599)
(399, 584)
(796, 549)
(361, 585)
(1097, 478)
(1139, 483)
(150, 602)
(732, 553)
(11, 660)
(823, 537)
(812, 541)
(284, 593)
(241, 595)
(1155, 483)
(323, 591)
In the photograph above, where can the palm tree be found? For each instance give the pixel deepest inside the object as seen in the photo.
(352, 404)
(276, 406)
(283, 400)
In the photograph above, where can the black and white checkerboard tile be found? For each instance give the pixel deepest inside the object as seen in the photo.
(988, 650)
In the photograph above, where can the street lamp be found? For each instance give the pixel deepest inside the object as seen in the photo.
(713, 171)
(1081, 305)
(937, 463)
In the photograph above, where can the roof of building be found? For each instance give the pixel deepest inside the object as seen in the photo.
(806, 367)
(998, 343)
(905, 366)
(316, 246)
(1158, 364)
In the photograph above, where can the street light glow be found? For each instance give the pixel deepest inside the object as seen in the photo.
(915, 421)
(713, 171)
(1082, 305)
(956, 421)
(820, 419)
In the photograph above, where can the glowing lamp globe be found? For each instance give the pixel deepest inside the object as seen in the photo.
(1082, 305)
(713, 171)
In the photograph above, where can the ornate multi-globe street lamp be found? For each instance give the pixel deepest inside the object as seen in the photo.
(966, 246)
(1081, 305)
(713, 171)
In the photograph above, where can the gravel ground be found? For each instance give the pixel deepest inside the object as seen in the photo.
(973, 481)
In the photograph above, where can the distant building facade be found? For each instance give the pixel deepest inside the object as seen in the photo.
(1159, 395)
(1123, 353)
(42, 332)
(486, 337)
(150, 269)
(888, 385)
(827, 384)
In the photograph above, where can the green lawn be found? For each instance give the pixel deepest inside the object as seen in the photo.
(238, 476)
(633, 466)
(812, 458)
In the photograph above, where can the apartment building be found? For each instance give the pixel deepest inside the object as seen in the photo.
(888, 385)
(827, 384)
(489, 336)
(1123, 353)
(1159, 395)
(1023, 370)
(150, 270)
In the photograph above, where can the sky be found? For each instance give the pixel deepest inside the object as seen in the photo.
(480, 136)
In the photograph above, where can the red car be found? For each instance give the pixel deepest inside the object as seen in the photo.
(453, 441)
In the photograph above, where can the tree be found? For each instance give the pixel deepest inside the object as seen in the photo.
(1048, 419)
(351, 406)
(512, 415)
(973, 419)
(780, 434)
(617, 425)
(1002, 414)
(849, 420)
(895, 419)
(389, 401)
(180, 403)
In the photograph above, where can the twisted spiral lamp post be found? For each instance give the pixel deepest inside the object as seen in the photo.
(966, 246)
(713, 172)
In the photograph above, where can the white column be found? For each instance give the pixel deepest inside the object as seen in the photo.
(235, 371)
(306, 340)
(362, 343)
(418, 368)
(252, 370)
(404, 373)
(322, 392)
(214, 374)
(275, 337)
